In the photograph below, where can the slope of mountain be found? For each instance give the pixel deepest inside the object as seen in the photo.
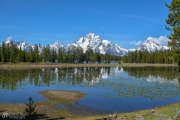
(56, 46)
(24, 45)
(92, 41)
(150, 46)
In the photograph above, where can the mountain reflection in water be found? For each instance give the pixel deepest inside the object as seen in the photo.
(109, 86)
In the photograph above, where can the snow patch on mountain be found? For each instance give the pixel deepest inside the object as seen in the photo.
(56, 46)
(24, 45)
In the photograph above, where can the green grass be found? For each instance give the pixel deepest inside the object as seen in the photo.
(61, 65)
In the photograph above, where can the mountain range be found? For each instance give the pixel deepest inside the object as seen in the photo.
(94, 42)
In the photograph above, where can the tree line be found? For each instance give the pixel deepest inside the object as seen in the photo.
(164, 56)
(11, 53)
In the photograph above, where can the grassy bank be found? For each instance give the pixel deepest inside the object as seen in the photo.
(45, 110)
(61, 65)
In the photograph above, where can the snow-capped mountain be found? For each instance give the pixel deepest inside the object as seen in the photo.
(56, 46)
(92, 41)
(21, 44)
(151, 46)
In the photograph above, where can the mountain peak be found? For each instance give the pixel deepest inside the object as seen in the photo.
(57, 43)
(56, 46)
(150, 46)
(92, 37)
(92, 41)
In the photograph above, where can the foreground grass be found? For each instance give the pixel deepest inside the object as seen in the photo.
(46, 110)
(61, 65)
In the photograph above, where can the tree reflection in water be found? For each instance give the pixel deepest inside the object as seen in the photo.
(147, 82)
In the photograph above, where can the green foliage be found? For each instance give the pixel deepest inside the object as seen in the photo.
(150, 57)
(119, 62)
(30, 110)
(173, 21)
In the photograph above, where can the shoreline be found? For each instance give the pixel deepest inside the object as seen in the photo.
(63, 65)
(46, 109)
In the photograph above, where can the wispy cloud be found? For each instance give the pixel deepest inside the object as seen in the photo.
(136, 43)
(140, 17)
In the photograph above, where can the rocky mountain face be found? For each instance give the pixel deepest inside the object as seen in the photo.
(92, 41)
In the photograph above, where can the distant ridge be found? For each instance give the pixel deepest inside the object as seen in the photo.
(151, 46)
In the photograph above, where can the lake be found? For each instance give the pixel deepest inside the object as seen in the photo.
(108, 89)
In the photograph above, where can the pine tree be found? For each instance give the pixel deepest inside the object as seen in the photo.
(3, 52)
(59, 57)
(30, 110)
(19, 56)
(36, 53)
(173, 21)
(12, 52)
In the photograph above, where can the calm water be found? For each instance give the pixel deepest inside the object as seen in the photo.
(110, 89)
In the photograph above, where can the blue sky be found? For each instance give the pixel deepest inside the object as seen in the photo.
(123, 22)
